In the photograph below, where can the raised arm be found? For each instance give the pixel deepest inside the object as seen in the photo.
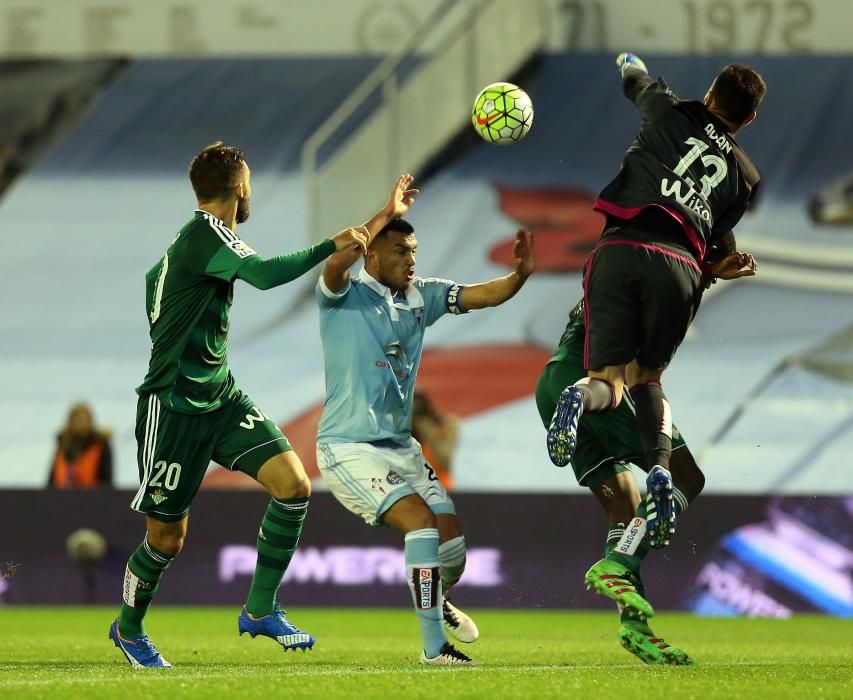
(336, 270)
(501, 289)
(651, 97)
(635, 75)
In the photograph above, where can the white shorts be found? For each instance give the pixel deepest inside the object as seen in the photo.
(368, 480)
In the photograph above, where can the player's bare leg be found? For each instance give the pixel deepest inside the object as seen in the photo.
(283, 476)
(414, 518)
(451, 558)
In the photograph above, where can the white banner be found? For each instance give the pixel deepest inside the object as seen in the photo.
(174, 28)
(703, 26)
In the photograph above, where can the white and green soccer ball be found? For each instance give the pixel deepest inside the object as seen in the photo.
(502, 113)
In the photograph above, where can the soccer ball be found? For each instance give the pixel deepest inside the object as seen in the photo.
(502, 113)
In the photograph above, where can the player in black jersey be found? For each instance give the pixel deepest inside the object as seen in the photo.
(683, 185)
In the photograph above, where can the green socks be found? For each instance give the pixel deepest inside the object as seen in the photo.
(277, 540)
(626, 544)
(141, 577)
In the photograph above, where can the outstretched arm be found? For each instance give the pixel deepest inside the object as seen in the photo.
(266, 274)
(497, 291)
(336, 270)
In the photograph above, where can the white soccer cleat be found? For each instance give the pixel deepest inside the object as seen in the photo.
(448, 656)
(460, 626)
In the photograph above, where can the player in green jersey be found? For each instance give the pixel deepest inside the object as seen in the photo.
(190, 410)
(608, 443)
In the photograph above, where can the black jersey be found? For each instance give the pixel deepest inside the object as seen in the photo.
(684, 160)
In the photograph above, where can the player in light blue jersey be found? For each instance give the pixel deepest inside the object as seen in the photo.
(372, 327)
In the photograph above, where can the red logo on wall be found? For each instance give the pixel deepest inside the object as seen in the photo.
(562, 220)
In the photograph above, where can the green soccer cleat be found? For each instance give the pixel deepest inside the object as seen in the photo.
(650, 649)
(613, 580)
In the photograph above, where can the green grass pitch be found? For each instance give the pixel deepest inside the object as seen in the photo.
(64, 653)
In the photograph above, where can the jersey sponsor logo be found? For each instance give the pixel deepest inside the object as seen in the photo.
(716, 170)
(240, 248)
(631, 538)
(398, 373)
(453, 301)
(254, 417)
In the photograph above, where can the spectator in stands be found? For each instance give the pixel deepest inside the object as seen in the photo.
(438, 434)
(83, 457)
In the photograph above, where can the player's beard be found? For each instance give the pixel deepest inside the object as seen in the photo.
(243, 208)
(397, 282)
(402, 282)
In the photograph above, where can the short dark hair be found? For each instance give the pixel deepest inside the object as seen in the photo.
(215, 170)
(398, 225)
(737, 92)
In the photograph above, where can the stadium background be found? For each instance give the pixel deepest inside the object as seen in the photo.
(104, 104)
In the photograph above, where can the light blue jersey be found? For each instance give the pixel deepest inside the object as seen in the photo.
(372, 343)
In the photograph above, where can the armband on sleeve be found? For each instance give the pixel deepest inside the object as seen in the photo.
(454, 299)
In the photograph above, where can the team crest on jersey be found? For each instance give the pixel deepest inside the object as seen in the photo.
(419, 314)
(242, 250)
(394, 478)
(158, 496)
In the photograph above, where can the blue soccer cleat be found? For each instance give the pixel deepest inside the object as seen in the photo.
(563, 432)
(139, 651)
(275, 626)
(660, 508)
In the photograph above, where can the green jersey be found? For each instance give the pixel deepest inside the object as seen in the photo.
(188, 301)
(572, 341)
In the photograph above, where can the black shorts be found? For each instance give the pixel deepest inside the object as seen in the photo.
(639, 299)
